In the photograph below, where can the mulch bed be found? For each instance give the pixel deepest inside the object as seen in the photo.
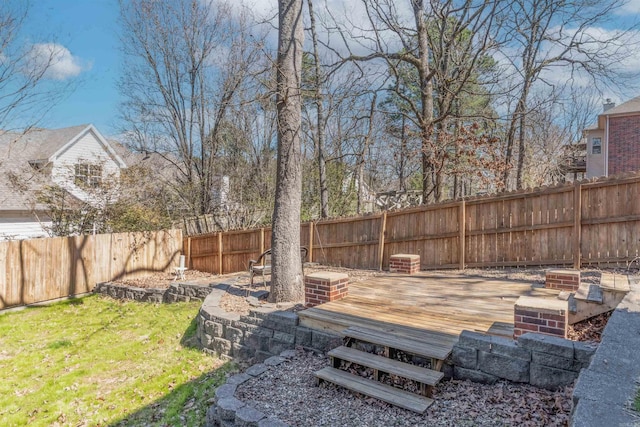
(589, 330)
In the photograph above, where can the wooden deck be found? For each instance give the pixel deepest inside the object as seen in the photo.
(428, 305)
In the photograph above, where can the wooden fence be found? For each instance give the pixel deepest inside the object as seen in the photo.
(39, 270)
(581, 224)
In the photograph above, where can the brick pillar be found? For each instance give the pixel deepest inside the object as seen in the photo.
(564, 280)
(542, 315)
(404, 263)
(324, 287)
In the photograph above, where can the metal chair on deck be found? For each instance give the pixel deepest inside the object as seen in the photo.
(262, 265)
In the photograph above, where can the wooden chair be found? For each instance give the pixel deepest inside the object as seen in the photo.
(262, 265)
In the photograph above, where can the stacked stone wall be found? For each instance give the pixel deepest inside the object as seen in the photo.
(264, 332)
(176, 292)
(540, 360)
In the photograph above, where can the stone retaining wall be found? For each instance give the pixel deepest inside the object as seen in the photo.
(266, 331)
(605, 391)
(540, 360)
(229, 411)
(176, 292)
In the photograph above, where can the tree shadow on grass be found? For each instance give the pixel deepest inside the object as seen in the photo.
(184, 405)
(189, 338)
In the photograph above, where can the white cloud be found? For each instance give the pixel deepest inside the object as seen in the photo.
(631, 6)
(58, 61)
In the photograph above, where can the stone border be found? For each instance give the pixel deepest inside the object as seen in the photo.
(266, 331)
(605, 390)
(174, 293)
(540, 360)
(229, 411)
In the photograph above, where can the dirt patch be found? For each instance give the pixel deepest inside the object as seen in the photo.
(162, 280)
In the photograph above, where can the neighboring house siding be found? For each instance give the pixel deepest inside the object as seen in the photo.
(86, 150)
(624, 144)
(595, 162)
(22, 227)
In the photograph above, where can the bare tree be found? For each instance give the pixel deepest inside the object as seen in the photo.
(26, 93)
(320, 116)
(185, 64)
(422, 48)
(542, 35)
(287, 283)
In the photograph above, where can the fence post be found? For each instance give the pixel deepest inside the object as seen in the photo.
(310, 241)
(461, 238)
(383, 228)
(577, 226)
(219, 252)
(189, 252)
(262, 240)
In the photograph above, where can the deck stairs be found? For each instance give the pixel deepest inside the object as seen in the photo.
(593, 299)
(396, 352)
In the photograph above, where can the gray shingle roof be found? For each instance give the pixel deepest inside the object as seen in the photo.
(18, 180)
(631, 106)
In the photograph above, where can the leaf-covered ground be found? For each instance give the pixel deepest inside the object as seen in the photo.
(96, 361)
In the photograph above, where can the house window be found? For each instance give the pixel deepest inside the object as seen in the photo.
(88, 175)
(596, 146)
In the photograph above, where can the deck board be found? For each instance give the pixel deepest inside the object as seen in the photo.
(427, 304)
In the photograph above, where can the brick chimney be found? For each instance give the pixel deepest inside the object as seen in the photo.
(608, 104)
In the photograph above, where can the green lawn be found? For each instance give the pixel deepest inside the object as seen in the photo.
(95, 362)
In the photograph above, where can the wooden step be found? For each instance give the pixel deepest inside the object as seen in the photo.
(390, 366)
(614, 282)
(432, 348)
(589, 292)
(386, 393)
(337, 322)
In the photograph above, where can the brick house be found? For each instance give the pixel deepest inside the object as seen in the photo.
(613, 142)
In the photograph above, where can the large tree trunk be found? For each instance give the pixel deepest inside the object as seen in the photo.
(287, 283)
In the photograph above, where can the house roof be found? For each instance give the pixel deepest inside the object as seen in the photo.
(18, 180)
(36, 144)
(631, 106)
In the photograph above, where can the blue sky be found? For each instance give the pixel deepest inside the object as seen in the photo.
(86, 31)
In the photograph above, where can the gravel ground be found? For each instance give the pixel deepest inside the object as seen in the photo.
(287, 390)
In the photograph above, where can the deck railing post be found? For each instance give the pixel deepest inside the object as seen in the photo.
(577, 226)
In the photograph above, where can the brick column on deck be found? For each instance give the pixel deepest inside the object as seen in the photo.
(324, 287)
(404, 263)
(562, 279)
(542, 315)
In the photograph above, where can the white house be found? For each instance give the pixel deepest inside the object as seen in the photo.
(77, 159)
